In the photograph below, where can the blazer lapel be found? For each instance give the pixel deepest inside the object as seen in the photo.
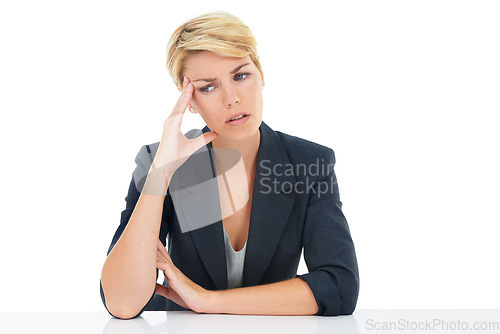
(269, 215)
(209, 242)
(209, 239)
(270, 209)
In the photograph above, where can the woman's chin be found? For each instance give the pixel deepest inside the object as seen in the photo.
(225, 136)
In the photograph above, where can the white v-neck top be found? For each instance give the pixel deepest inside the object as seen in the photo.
(234, 262)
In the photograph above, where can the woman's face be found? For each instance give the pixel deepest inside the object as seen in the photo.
(225, 87)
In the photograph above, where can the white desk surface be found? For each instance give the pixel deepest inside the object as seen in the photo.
(362, 321)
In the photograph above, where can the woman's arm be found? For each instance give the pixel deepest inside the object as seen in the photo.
(128, 277)
(290, 297)
(129, 274)
(329, 251)
(330, 288)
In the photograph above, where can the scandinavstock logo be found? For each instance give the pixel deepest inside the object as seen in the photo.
(314, 178)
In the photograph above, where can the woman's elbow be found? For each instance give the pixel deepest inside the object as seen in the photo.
(119, 308)
(124, 313)
(350, 299)
(348, 306)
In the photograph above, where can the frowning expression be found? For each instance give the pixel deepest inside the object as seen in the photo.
(225, 87)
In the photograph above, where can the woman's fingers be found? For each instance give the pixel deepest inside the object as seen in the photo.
(162, 258)
(165, 263)
(182, 102)
(175, 148)
(170, 272)
(161, 248)
(180, 288)
(162, 253)
(170, 293)
(161, 290)
(165, 267)
(202, 140)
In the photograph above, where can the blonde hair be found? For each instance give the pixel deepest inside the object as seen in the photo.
(219, 32)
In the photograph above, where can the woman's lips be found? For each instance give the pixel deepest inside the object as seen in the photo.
(236, 115)
(240, 121)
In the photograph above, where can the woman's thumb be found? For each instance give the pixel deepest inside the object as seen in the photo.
(208, 137)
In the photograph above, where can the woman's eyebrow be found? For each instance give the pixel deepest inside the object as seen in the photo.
(214, 79)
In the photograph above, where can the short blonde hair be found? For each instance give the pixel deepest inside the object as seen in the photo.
(219, 32)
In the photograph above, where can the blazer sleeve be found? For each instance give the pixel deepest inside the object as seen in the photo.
(328, 248)
(137, 182)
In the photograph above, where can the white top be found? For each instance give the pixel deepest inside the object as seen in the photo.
(234, 262)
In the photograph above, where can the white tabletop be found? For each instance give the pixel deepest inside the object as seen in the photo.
(362, 321)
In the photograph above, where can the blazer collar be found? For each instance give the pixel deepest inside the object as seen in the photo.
(269, 214)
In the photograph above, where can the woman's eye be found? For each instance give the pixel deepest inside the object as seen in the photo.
(206, 89)
(241, 76)
(237, 77)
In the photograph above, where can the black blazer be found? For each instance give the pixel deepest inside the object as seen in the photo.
(305, 213)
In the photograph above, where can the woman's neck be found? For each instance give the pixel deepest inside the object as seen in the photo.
(248, 148)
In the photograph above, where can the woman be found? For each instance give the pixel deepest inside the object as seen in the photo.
(244, 262)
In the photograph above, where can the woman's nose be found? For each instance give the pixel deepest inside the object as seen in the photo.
(230, 97)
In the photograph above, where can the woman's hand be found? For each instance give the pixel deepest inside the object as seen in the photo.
(181, 289)
(175, 148)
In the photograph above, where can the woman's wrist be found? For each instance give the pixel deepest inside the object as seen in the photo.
(210, 302)
(157, 181)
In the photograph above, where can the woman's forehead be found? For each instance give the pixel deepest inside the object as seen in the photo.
(209, 61)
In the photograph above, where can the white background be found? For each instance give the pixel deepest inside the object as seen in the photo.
(405, 92)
